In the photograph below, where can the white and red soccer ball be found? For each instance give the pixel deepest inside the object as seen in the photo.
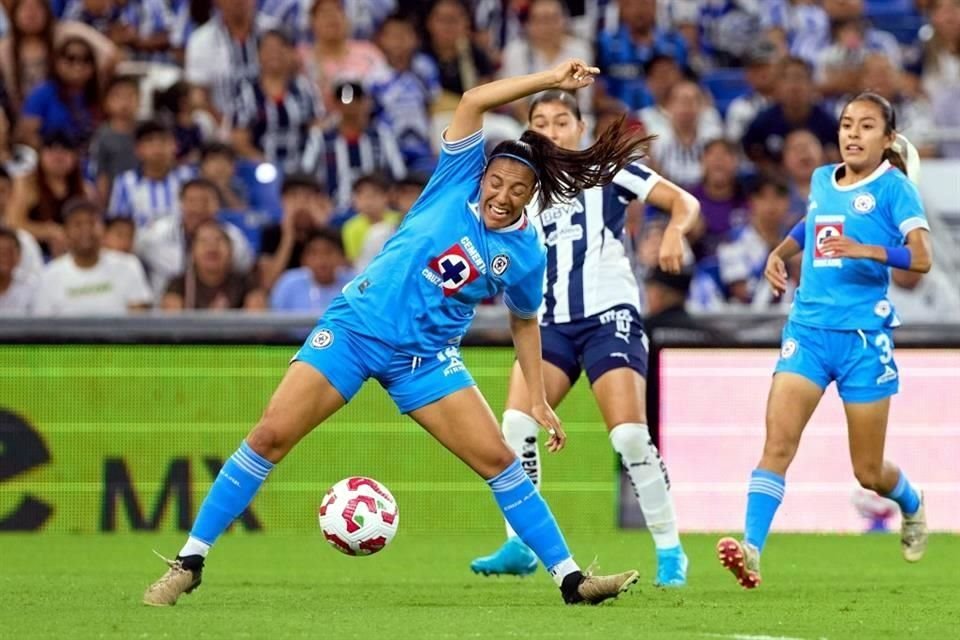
(359, 516)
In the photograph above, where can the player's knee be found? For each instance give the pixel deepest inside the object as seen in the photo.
(778, 451)
(268, 440)
(870, 476)
(495, 461)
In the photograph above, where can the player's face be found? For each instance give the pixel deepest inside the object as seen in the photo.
(555, 121)
(506, 189)
(862, 136)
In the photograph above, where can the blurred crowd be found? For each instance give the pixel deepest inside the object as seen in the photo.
(255, 154)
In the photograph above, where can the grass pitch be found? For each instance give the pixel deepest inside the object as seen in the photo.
(295, 586)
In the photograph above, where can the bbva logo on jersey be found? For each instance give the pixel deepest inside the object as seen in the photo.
(455, 270)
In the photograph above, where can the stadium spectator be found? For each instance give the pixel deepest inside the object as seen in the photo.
(462, 64)
(37, 201)
(354, 147)
(210, 282)
(545, 42)
(795, 108)
(406, 191)
(16, 158)
(371, 213)
(802, 153)
(743, 258)
(678, 151)
(218, 164)
(306, 208)
(365, 17)
(223, 52)
(26, 54)
(333, 57)
(146, 32)
(929, 297)
(16, 287)
(760, 69)
(164, 244)
(838, 64)
(150, 191)
(191, 127)
(662, 74)
(69, 100)
(722, 203)
(666, 297)
(89, 280)
(323, 274)
(915, 118)
(405, 89)
(113, 148)
(106, 16)
(30, 260)
(790, 23)
(839, 11)
(273, 114)
(623, 54)
(119, 235)
(940, 62)
(727, 30)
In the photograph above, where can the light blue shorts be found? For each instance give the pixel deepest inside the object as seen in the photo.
(347, 358)
(861, 362)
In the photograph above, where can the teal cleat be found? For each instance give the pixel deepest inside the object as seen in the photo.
(671, 567)
(514, 558)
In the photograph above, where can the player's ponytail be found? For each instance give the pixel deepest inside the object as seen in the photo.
(562, 173)
(902, 154)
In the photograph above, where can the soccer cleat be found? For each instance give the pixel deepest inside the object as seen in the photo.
(514, 558)
(671, 568)
(586, 588)
(742, 560)
(913, 534)
(182, 576)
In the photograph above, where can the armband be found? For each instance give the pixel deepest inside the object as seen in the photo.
(898, 257)
(798, 233)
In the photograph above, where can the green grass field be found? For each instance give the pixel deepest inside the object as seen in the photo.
(294, 586)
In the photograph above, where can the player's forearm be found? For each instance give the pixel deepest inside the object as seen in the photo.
(526, 343)
(788, 248)
(909, 258)
(500, 92)
(684, 213)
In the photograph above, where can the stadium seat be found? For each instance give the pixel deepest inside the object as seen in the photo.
(725, 85)
(905, 28)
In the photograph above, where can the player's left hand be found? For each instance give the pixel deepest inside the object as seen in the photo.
(671, 250)
(574, 74)
(844, 247)
(547, 419)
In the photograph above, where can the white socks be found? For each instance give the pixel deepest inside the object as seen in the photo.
(648, 474)
(520, 431)
(194, 547)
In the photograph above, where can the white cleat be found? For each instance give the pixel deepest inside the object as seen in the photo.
(913, 534)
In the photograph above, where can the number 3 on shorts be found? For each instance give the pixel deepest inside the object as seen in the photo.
(883, 343)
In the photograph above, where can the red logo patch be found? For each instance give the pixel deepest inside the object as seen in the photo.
(822, 231)
(455, 270)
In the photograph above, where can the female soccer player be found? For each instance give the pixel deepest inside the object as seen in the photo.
(863, 217)
(590, 321)
(401, 320)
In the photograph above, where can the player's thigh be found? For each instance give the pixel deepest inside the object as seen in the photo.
(868, 372)
(621, 396)
(792, 400)
(464, 424)
(867, 434)
(555, 381)
(303, 399)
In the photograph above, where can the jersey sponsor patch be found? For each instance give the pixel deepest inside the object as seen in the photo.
(455, 270)
(826, 227)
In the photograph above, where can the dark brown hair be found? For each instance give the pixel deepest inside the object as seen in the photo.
(889, 124)
(91, 90)
(562, 174)
(16, 40)
(565, 98)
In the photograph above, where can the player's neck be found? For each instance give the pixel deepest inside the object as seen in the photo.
(848, 175)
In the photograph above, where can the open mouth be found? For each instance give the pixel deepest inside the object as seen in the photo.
(853, 148)
(498, 212)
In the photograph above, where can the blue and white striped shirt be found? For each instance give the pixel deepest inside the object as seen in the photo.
(145, 200)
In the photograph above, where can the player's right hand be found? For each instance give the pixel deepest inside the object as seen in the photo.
(548, 419)
(574, 74)
(776, 274)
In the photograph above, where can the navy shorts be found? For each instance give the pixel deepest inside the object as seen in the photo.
(610, 340)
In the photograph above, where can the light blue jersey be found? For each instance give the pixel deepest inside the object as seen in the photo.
(841, 325)
(419, 294)
(844, 293)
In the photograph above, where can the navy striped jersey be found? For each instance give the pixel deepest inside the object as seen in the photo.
(338, 162)
(588, 271)
(278, 127)
(144, 199)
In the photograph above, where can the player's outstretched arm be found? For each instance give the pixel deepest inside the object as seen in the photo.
(526, 342)
(468, 117)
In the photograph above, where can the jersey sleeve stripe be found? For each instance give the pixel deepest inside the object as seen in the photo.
(526, 315)
(459, 146)
(913, 223)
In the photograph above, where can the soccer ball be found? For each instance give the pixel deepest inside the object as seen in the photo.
(359, 516)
